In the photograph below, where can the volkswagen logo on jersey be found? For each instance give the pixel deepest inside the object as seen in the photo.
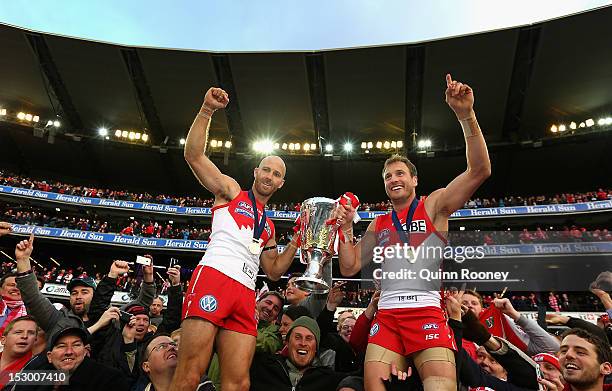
(208, 303)
(374, 329)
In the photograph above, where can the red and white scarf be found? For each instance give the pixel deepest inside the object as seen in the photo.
(17, 309)
(502, 326)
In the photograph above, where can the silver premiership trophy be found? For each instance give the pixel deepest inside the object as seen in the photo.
(317, 238)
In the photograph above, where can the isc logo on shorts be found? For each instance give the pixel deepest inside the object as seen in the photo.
(430, 326)
(208, 303)
(374, 329)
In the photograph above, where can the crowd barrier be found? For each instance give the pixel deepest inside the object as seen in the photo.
(584, 207)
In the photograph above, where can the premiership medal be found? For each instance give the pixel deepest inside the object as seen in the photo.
(255, 246)
(258, 227)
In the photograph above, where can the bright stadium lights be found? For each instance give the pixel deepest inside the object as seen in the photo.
(582, 125)
(124, 133)
(297, 146)
(562, 128)
(50, 123)
(284, 146)
(182, 141)
(118, 133)
(400, 144)
(228, 144)
(306, 147)
(424, 144)
(313, 147)
(28, 117)
(600, 122)
(379, 144)
(213, 143)
(329, 148)
(103, 131)
(276, 145)
(137, 135)
(367, 151)
(386, 145)
(393, 144)
(370, 145)
(364, 145)
(553, 128)
(145, 137)
(56, 123)
(2, 112)
(572, 125)
(21, 116)
(263, 146)
(589, 122)
(131, 135)
(348, 147)
(35, 118)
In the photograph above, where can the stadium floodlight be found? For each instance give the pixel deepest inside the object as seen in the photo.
(228, 144)
(582, 125)
(263, 146)
(589, 122)
(2, 112)
(370, 145)
(182, 141)
(103, 131)
(601, 122)
(131, 135)
(28, 117)
(306, 147)
(572, 125)
(284, 146)
(35, 118)
(56, 123)
(49, 123)
(379, 144)
(145, 137)
(364, 145)
(400, 144)
(291, 146)
(313, 147)
(276, 145)
(393, 144)
(137, 136)
(562, 128)
(367, 151)
(329, 148)
(608, 121)
(348, 147)
(118, 133)
(21, 116)
(124, 133)
(387, 145)
(213, 144)
(553, 128)
(424, 144)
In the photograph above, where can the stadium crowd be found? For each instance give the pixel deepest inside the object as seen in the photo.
(136, 347)
(9, 179)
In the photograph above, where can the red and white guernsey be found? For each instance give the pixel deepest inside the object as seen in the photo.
(232, 232)
(423, 235)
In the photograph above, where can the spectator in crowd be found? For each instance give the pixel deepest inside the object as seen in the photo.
(68, 353)
(300, 369)
(549, 366)
(159, 359)
(11, 304)
(528, 336)
(155, 314)
(125, 341)
(314, 303)
(18, 340)
(585, 361)
(176, 336)
(290, 314)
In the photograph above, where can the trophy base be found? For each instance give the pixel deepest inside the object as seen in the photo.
(312, 285)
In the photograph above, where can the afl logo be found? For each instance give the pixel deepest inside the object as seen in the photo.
(430, 326)
(208, 303)
(374, 329)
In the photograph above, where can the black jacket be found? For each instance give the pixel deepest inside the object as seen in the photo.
(270, 372)
(114, 352)
(89, 375)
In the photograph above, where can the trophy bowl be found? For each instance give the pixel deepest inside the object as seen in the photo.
(317, 249)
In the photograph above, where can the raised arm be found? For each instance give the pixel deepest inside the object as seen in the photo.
(460, 98)
(352, 257)
(275, 264)
(222, 186)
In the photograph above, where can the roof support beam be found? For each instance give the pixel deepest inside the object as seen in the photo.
(223, 71)
(315, 66)
(415, 59)
(524, 59)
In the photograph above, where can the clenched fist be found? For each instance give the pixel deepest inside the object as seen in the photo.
(215, 99)
(5, 228)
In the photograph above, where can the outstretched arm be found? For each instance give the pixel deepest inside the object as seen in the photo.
(460, 98)
(222, 186)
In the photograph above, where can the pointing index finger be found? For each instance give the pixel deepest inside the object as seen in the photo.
(449, 79)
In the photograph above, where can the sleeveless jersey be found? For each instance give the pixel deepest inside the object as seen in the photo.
(232, 232)
(428, 245)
